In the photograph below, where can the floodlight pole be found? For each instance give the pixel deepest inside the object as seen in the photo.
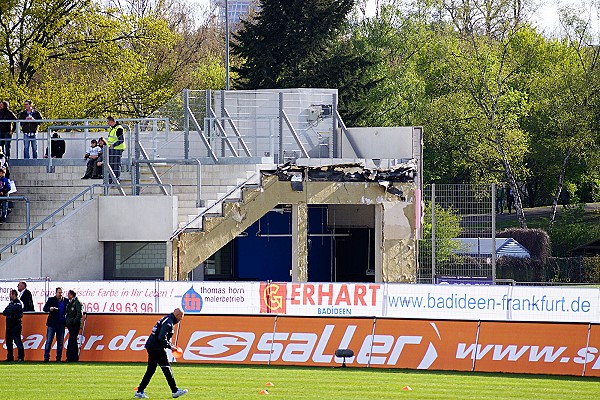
(226, 45)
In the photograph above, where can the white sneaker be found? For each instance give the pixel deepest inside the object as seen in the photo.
(179, 393)
(140, 395)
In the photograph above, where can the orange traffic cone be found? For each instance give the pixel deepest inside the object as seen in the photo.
(269, 384)
(264, 391)
(406, 388)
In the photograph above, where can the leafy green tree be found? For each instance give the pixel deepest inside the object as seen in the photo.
(494, 51)
(303, 43)
(104, 59)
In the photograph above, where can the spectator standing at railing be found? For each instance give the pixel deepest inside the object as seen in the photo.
(29, 129)
(14, 326)
(4, 189)
(73, 320)
(6, 128)
(57, 145)
(116, 145)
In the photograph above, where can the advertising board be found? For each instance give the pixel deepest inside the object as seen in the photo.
(346, 300)
(512, 347)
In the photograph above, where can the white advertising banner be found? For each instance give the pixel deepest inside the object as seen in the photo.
(149, 296)
(459, 302)
(498, 303)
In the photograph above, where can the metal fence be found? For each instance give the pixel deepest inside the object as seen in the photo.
(458, 241)
(280, 124)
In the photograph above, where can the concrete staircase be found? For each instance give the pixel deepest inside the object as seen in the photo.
(48, 192)
(217, 181)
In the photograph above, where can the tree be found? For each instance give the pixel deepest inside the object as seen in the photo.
(303, 43)
(495, 51)
(104, 59)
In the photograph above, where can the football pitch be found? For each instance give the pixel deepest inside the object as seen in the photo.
(117, 381)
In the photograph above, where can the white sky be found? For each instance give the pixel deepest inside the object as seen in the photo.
(546, 17)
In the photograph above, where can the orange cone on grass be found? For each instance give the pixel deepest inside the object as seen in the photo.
(269, 384)
(264, 391)
(407, 388)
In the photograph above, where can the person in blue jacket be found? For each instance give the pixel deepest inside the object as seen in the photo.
(158, 341)
(56, 306)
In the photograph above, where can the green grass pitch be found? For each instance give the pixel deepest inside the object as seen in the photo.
(223, 382)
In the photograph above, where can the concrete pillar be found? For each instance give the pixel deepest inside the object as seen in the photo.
(299, 242)
(379, 256)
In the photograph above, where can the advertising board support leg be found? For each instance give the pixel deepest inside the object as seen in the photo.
(476, 345)
(173, 359)
(273, 341)
(372, 335)
(82, 338)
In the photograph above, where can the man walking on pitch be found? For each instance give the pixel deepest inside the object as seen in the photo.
(158, 341)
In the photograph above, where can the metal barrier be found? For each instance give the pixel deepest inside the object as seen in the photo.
(28, 235)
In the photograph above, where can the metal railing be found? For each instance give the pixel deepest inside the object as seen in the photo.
(27, 208)
(27, 236)
(199, 201)
(212, 207)
(89, 128)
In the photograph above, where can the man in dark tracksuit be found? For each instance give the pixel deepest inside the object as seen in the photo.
(14, 325)
(73, 318)
(158, 341)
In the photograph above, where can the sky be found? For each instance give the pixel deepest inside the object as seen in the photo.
(546, 17)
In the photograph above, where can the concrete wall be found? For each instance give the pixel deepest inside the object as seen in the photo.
(386, 142)
(70, 250)
(121, 218)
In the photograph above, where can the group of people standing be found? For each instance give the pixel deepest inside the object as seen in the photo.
(29, 128)
(32, 119)
(505, 195)
(62, 313)
(68, 312)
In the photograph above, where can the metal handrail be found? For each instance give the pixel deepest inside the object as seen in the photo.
(202, 137)
(199, 202)
(27, 207)
(150, 165)
(223, 133)
(220, 201)
(27, 235)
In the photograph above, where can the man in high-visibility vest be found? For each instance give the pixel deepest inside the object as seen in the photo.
(116, 145)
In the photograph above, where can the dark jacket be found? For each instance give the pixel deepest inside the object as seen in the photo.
(27, 300)
(54, 319)
(30, 127)
(13, 313)
(6, 127)
(58, 147)
(74, 313)
(161, 335)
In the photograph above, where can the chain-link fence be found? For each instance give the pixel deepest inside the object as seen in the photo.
(459, 240)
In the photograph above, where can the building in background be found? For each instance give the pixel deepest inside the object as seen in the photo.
(237, 9)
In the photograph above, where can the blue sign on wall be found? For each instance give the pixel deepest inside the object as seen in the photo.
(191, 301)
